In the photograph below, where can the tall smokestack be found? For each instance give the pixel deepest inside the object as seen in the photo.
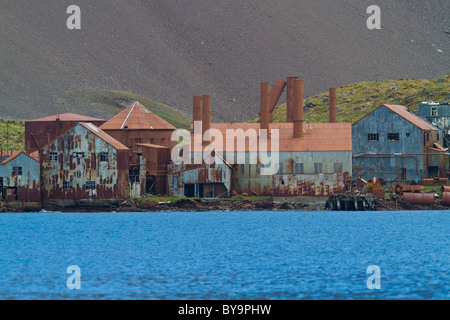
(275, 95)
(290, 99)
(265, 104)
(197, 109)
(206, 116)
(332, 105)
(298, 108)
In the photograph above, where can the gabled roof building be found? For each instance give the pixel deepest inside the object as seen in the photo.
(396, 145)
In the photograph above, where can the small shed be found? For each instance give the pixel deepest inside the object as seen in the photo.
(19, 179)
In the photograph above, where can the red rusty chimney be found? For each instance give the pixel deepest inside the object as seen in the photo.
(206, 116)
(332, 105)
(197, 109)
(298, 108)
(265, 104)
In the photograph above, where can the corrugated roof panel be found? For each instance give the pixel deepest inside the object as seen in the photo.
(67, 117)
(403, 112)
(104, 136)
(137, 117)
(317, 136)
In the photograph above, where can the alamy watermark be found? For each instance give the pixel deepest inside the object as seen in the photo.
(374, 281)
(74, 281)
(374, 21)
(74, 20)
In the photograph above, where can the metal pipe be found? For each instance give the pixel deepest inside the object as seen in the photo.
(265, 101)
(332, 100)
(275, 95)
(206, 117)
(298, 108)
(419, 198)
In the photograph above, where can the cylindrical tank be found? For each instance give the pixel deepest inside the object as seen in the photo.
(419, 198)
(446, 198)
(445, 189)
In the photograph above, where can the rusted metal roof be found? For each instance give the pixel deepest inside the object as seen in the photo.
(403, 112)
(137, 117)
(15, 155)
(317, 136)
(67, 117)
(103, 135)
(437, 147)
(11, 153)
(150, 145)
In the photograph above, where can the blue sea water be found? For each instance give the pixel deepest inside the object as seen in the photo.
(225, 255)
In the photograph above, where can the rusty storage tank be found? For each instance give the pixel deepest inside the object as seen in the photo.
(419, 198)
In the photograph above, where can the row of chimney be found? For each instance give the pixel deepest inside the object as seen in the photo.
(269, 100)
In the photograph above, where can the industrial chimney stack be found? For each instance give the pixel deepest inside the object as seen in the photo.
(332, 105)
(298, 108)
(265, 106)
(206, 116)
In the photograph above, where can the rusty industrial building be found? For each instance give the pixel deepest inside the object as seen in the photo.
(395, 145)
(136, 124)
(315, 159)
(85, 163)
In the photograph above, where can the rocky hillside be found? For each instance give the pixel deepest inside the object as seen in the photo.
(171, 50)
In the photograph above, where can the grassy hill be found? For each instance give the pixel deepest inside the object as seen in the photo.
(356, 100)
(16, 131)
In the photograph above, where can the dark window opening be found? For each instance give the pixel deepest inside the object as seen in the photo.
(17, 171)
(67, 185)
(373, 137)
(104, 156)
(53, 156)
(393, 137)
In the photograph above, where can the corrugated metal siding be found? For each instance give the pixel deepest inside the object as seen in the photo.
(180, 175)
(252, 182)
(384, 121)
(110, 177)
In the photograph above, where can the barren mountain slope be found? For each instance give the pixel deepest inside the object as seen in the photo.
(170, 50)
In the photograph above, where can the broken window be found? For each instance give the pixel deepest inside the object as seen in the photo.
(373, 137)
(434, 112)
